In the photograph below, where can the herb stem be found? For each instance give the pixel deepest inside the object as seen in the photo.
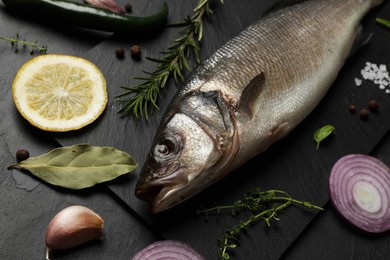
(33, 46)
(265, 205)
(299, 202)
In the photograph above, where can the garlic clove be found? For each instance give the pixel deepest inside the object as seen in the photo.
(73, 226)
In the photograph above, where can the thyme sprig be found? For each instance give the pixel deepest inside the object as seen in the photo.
(263, 205)
(17, 41)
(143, 97)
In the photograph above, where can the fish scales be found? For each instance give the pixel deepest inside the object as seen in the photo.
(295, 50)
(250, 93)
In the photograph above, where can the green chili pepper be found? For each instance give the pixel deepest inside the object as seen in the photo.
(89, 16)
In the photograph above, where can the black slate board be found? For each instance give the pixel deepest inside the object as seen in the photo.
(292, 164)
(26, 204)
(329, 236)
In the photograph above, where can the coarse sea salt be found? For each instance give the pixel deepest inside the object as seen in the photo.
(358, 82)
(377, 74)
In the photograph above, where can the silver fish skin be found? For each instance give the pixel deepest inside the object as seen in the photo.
(247, 95)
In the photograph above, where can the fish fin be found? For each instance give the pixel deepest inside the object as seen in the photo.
(279, 131)
(250, 94)
(362, 39)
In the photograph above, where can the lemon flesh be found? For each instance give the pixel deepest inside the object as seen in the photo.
(59, 92)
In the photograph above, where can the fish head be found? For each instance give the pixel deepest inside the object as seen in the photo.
(175, 165)
(186, 156)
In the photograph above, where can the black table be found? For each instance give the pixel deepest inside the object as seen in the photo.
(293, 164)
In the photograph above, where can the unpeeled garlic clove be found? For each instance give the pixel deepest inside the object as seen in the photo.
(73, 226)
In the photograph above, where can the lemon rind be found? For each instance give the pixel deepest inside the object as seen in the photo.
(33, 66)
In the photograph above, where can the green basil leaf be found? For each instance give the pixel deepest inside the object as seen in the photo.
(79, 166)
(383, 22)
(322, 133)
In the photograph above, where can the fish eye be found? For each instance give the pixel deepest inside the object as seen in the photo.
(165, 148)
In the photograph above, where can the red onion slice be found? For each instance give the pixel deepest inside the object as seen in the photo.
(168, 249)
(359, 188)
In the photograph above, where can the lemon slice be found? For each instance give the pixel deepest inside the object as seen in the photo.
(59, 93)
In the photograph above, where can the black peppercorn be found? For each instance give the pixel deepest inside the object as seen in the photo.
(120, 53)
(22, 155)
(364, 114)
(128, 8)
(352, 108)
(373, 106)
(135, 51)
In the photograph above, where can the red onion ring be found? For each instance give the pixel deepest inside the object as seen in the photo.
(359, 189)
(168, 249)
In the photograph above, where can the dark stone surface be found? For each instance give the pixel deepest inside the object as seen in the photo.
(26, 204)
(293, 164)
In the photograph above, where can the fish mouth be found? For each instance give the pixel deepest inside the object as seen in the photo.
(148, 191)
(165, 193)
(152, 188)
(160, 195)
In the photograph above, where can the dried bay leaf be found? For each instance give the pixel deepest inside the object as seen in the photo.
(79, 166)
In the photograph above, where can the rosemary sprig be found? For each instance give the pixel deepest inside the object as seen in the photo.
(15, 42)
(143, 97)
(264, 205)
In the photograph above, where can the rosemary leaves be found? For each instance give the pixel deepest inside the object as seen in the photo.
(263, 205)
(17, 41)
(143, 97)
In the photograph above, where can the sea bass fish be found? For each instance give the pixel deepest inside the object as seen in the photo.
(247, 95)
